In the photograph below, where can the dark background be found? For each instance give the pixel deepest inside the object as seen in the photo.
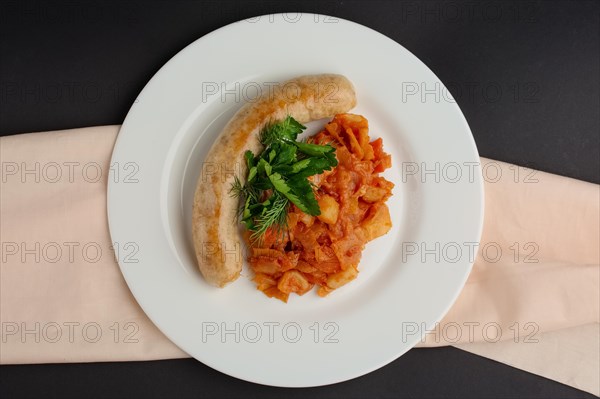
(525, 75)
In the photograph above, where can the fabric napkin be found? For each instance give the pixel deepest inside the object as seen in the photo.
(63, 299)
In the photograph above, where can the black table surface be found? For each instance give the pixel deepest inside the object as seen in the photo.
(525, 74)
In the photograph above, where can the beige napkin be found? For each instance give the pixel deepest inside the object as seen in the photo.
(63, 299)
(569, 355)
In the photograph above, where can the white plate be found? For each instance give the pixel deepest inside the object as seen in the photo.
(309, 341)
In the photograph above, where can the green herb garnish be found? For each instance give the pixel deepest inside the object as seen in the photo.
(278, 177)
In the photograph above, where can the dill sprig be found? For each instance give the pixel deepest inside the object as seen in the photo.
(237, 188)
(274, 216)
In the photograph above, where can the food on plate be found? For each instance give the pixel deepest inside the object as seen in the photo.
(310, 207)
(217, 243)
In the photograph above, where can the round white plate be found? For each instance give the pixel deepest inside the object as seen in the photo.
(409, 278)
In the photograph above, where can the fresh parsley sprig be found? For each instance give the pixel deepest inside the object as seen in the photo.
(278, 177)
